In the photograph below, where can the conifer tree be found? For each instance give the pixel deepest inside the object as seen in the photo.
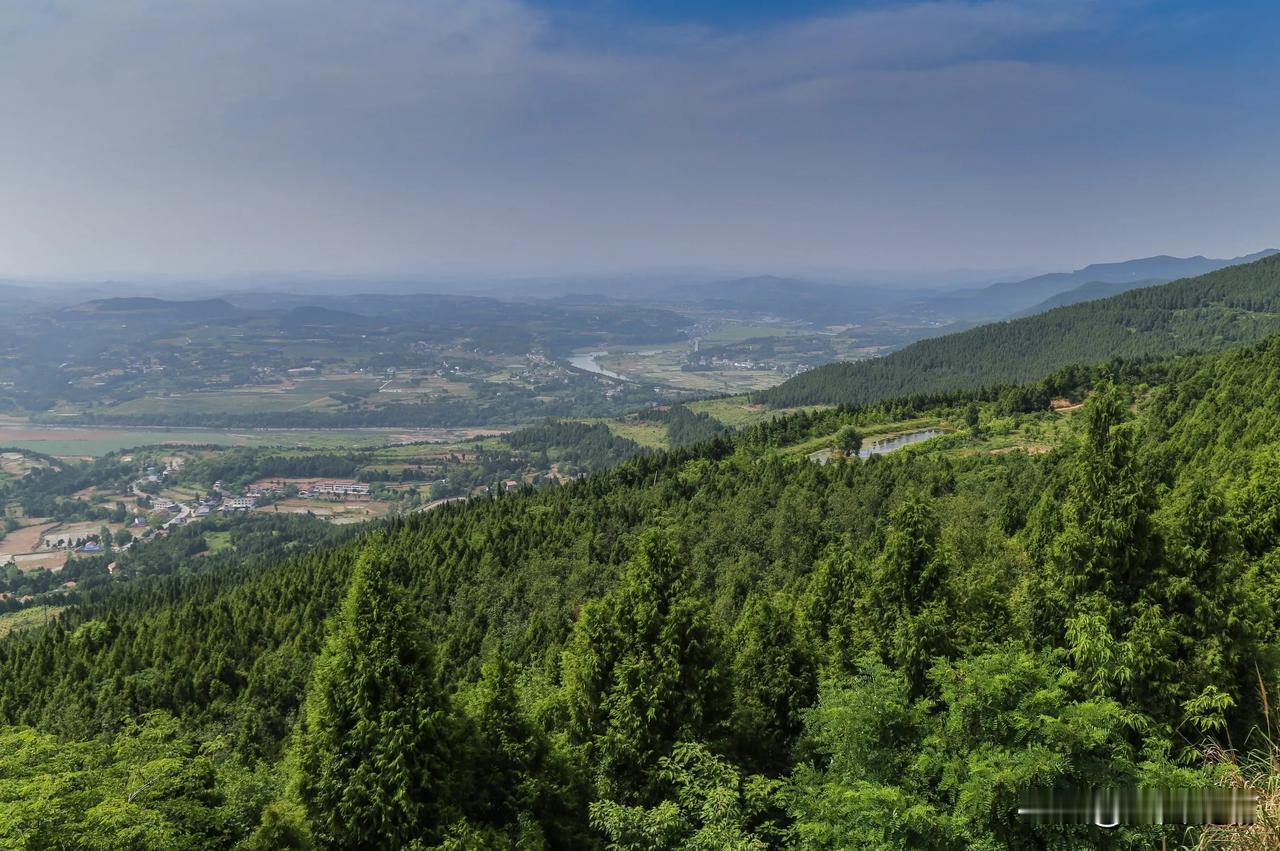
(371, 750)
(909, 591)
(1105, 545)
(642, 671)
(774, 681)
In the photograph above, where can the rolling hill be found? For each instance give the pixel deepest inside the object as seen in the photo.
(153, 310)
(1086, 292)
(1232, 306)
(1016, 297)
(792, 298)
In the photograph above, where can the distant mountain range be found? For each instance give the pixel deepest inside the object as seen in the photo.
(1014, 297)
(568, 324)
(153, 309)
(1235, 305)
(820, 304)
(834, 304)
(792, 298)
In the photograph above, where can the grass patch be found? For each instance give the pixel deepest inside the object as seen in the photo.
(653, 435)
(736, 332)
(738, 412)
(32, 616)
(218, 541)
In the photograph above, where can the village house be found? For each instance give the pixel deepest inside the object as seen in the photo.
(338, 489)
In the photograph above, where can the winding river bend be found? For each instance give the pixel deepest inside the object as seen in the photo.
(589, 363)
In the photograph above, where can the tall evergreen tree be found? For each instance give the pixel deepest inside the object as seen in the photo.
(642, 671)
(908, 596)
(774, 681)
(371, 751)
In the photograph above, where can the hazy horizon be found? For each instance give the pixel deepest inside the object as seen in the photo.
(303, 282)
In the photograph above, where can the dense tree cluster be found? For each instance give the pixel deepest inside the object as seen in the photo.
(48, 490)
(1239, 304)
(684, 427)
(238, 467)
(723, 646)
(578, 446)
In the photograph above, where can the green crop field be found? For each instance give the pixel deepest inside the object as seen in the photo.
(653, 435)
(310, 395)
(94, 441)
(27, 618)
(736, 332)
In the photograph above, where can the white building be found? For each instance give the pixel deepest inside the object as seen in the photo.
(339, 489)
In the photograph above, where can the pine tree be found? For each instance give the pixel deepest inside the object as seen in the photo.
(909, 591)
(1105, 546)
(642, 672)
(774, 681)
(371, 752)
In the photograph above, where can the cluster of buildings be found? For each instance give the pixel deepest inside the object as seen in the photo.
(171, 467)
(253, 497)
(717, 362)
(337, 488)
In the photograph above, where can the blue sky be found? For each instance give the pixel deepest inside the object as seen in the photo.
(480, 138)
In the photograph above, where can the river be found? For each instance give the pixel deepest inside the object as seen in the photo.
(588, 362)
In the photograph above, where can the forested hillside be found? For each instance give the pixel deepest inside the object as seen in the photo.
(1017, 298)
(1239, 304)
(724, 646)
(1085, 292)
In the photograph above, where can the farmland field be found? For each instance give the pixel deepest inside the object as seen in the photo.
(27, 538)
(80, 442)
(313, 394)
(643, 432)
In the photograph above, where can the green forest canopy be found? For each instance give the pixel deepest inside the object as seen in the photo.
(1232, 306)
(723, 646)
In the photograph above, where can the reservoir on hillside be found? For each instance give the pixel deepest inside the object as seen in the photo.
(897, 441)
(883, 445)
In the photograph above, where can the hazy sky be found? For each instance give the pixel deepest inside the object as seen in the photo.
(499, 137)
